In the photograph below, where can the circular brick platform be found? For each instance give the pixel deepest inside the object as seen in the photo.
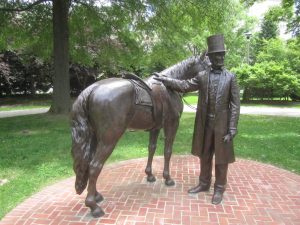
(256, 194)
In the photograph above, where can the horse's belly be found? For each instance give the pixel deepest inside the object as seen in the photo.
(142, 118)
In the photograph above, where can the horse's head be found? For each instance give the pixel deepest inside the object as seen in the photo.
(188, 68)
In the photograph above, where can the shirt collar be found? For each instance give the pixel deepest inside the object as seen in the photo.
(217, 71)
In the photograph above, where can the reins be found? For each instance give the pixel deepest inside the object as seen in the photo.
(189, 105)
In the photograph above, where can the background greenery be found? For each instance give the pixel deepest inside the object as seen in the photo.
(140, 36)
(147, 36)
(35, 150)
(272, 67)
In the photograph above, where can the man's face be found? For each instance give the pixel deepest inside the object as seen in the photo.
(217, 59)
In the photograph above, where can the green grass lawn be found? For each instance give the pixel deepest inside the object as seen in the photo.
(35, 150)
(24, 102)
(22, 107)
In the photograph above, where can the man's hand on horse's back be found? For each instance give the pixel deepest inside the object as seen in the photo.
(156, 74)
(165, 80)
(162, 78)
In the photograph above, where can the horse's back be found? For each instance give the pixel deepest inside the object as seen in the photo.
(110, 91)
(111, 103)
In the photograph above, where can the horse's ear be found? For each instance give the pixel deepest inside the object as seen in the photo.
(203, 55)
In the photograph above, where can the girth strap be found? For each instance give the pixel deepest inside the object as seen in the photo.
(159, 101)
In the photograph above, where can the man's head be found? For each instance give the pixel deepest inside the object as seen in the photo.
(216, 50)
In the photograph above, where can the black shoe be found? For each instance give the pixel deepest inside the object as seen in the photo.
(199, 188)
(217, 197)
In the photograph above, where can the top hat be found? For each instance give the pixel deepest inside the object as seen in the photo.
(215, 43)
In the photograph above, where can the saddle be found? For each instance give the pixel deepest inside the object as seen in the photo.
(151, 94)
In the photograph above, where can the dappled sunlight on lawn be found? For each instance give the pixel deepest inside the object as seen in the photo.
(270, 135)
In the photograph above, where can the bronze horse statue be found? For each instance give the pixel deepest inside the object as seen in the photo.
(104, 110)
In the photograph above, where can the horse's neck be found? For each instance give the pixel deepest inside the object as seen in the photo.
(186, 69)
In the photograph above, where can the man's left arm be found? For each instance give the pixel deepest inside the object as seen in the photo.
(234, 105)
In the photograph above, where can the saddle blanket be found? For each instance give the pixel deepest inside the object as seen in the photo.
(142, 96)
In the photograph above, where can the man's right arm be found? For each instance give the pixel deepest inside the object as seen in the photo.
(181, 85)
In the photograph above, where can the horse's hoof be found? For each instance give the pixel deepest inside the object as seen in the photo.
(98, 197)
(97, 212)
(170, 182)
(151, 178)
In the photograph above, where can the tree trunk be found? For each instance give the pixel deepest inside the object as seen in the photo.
(61, 81)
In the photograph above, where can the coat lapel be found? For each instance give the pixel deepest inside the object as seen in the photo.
(222, 82)
(205, 86)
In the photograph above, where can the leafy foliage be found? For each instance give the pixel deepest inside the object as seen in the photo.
(20, 77)
(274, 63)
(293, 18)
(143, 36)
(267, 79)
(29, 32)
(269, 26)
(134, 35)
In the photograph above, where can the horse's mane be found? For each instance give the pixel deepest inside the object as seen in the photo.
(187, 68)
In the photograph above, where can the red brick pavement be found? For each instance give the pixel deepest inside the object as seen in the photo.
(256, 194)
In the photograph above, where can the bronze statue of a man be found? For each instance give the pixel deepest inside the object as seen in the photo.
(216, 120)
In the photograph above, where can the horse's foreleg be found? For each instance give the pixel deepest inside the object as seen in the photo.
(170, 129)
(96, 165)
(151, 150)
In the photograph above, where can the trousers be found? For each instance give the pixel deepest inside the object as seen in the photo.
(206, 160)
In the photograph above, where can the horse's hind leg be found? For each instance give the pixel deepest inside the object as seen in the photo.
(98, 196)
(104, 150)
(170, 129)
(151, 149)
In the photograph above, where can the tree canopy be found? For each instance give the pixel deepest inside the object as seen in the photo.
(136, 35)
(122, 33)
(141, 36)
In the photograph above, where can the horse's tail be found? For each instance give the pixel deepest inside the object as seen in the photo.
(82, 138)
